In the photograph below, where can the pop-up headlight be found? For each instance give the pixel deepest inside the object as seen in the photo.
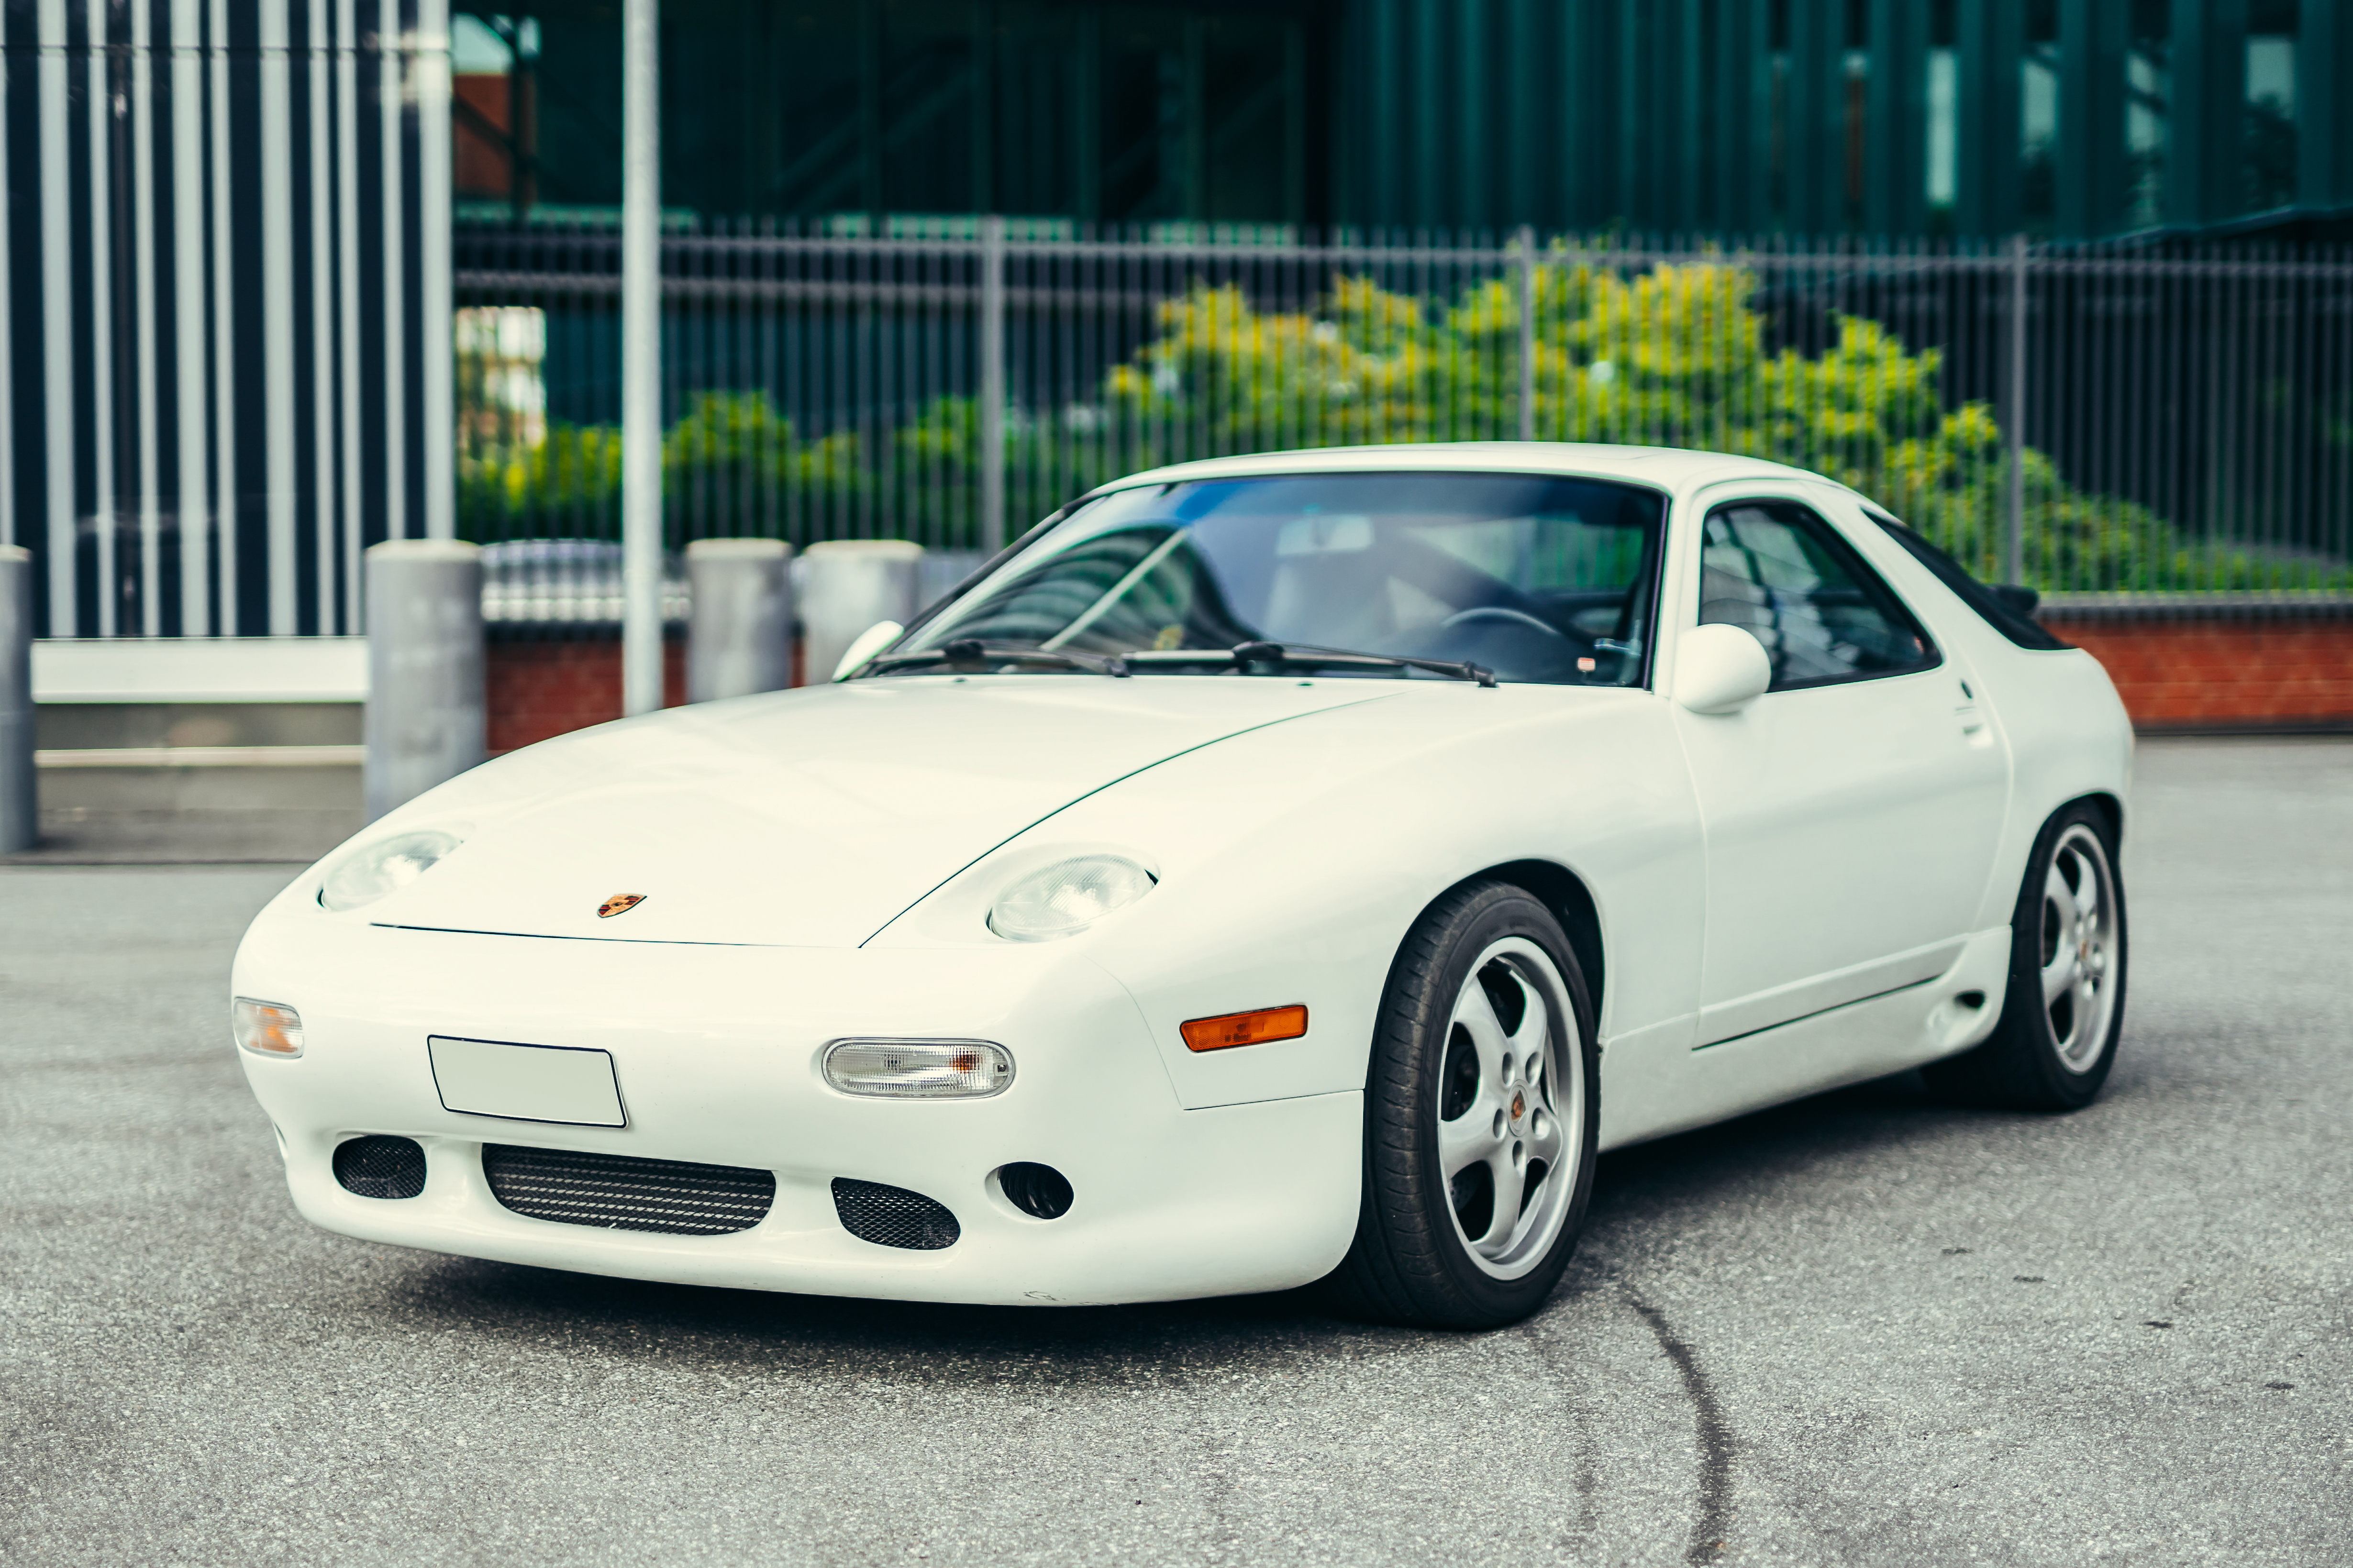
(384, 868)
(1064, 898)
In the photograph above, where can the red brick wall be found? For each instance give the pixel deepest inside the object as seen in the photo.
(541, 688)
(2170, 673)
(2223, 671)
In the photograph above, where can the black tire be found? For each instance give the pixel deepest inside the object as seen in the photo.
(2027, 1063)
(1411, 1263)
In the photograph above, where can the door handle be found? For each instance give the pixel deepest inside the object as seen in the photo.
(1966, 710)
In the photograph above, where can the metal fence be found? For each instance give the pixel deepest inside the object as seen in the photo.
(2135, 421)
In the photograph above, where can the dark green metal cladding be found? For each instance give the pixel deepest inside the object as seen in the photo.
(2324, 77)
(1992, 37)
(1733, 116)
(1895, 118)
(1741, 146)
(2209, 58)
(2089, 162)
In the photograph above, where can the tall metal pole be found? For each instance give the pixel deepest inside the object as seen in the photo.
(1527, 333)
(992, 383)
(642, 432)
(2013, 434)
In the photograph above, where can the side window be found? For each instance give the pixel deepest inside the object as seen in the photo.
(2013, 620)
(1774, 568)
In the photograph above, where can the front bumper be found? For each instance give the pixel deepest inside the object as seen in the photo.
(717, 1052)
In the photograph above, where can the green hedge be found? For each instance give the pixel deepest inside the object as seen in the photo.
(1673, 356)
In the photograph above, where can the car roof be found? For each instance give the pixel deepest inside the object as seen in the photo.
(1671, 468)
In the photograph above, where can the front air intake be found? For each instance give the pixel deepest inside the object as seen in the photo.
(1038, 1191)
(617, 1192)
(380, 1167)
(893, 1216)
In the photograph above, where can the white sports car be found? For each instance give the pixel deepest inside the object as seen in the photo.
(1269, 870)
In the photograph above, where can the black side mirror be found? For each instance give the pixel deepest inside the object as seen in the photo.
(2018, 599)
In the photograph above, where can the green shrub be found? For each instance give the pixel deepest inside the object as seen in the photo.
(1671, 356)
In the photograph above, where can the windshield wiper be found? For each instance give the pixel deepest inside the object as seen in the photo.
(973, 651)
(1307, 656)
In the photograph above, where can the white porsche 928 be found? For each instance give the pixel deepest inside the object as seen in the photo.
(1269, 870)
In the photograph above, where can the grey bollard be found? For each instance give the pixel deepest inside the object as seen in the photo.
(20, 800)
(846, 585)
(426, 718)
(739, 635)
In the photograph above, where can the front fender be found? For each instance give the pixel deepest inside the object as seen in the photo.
(1293, 860)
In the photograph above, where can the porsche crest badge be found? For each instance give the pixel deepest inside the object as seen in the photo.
(618, 904)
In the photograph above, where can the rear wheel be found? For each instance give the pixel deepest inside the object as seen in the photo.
(2065, 1007)
(1481, 1113)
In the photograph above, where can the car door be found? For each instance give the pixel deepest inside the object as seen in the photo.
(1851, 813)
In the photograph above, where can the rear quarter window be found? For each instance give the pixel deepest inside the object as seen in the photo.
(2022, 629)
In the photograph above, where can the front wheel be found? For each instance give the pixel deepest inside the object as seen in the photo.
(2065, 1007)
(1482, 1109)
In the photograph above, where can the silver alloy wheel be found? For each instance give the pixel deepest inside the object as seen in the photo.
(2078, 948)
(1511, 1107)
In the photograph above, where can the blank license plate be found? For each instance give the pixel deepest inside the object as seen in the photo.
(527, 1083)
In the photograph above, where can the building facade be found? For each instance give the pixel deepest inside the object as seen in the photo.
(229, 224)
(2065, 117)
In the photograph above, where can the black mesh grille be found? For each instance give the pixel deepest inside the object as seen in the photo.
(893, 1216)
(618, 1192)
(381, 1167)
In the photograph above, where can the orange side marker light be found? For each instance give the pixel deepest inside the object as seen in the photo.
(1245, 1028)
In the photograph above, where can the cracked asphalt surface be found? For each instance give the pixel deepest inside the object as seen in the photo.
(1864, 1329)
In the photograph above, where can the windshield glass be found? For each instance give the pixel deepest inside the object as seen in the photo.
(1536, 578)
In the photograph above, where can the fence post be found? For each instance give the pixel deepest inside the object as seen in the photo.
(2013, 436)
(1527, 333)
(427, 720)
(739, 635)
(848, 586)
(642, 432)
(20, 802)
(992, 392)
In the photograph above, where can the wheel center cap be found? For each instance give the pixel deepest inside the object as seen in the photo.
(1519, 1106)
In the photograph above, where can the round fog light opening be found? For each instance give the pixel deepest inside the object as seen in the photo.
(1038, 1191)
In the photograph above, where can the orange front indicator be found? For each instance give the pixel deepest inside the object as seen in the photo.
(1245, 1028)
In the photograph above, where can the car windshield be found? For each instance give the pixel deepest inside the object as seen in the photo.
(1535, 577)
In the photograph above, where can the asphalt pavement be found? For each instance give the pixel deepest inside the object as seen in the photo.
(1864, 1328)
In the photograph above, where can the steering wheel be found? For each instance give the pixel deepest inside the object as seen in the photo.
(1502, 613)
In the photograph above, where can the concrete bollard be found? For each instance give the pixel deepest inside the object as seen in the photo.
(20, 800)
(427, 717)
(739, 635)
(846, 585)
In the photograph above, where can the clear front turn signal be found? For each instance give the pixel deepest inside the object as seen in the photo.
(266, 1028)
(919, 1070)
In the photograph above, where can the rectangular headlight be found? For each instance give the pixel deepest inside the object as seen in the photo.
(919, 1070)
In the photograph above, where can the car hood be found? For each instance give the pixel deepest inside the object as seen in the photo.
(804, 819)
